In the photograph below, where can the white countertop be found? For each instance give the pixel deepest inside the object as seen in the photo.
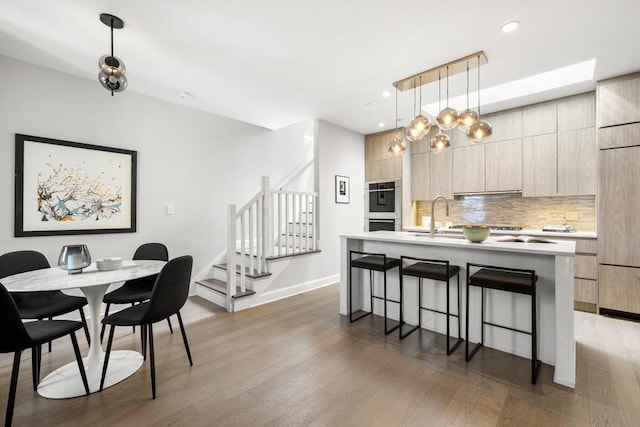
(576, 234)
(560, 247)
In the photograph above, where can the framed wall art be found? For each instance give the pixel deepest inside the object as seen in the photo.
(342, 189)
(64, 187)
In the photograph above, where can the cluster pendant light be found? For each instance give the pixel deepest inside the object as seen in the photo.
(468, 121)
(112, 69)
(397, 146)
(440, 141)
(480, 130)
(420, 125)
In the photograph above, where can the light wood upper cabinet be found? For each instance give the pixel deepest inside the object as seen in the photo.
(619, 206)
(577, 112)
(539, 119)
(373, 148)
(618, 100)
(539, 172)
(577, 162)
(392, 168)
(379, 164)
(468, 169)
(441, 173)
(503, 165)
(506, 125)
(420, 176)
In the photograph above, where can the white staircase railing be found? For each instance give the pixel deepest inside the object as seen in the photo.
(250, 232)
(296, 223)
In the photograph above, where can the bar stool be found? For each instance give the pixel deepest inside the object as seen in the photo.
(432, 269)
(372, 262)
(514, 280)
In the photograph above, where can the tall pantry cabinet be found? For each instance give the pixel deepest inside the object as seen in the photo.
(618, 121)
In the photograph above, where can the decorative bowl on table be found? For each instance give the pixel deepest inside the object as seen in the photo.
(476, 233)
(107, 264)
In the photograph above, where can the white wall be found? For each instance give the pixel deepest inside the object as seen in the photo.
(200, 162)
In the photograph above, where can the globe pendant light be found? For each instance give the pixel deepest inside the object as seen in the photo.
(447, 118)
(440, 142)
(111, 75)
(420, 125)
(469, 116)
(396, 146)
(480, 130)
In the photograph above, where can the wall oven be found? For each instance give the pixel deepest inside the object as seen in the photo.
(383, 201)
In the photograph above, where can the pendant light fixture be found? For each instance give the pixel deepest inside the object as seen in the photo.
(397, 146)
(469, 116)
(440, 141)
(112, 69)
(480, 130)
(420, 125)
(448, 118)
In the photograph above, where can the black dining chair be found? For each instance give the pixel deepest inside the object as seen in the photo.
(43, 304)
(16, 336)
(137, 290)
(169, 294)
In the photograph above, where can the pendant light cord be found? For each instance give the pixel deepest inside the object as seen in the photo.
(396, 111)
(478, 85)
(414, 100)
(439, 91)
(467, 84)
(420, 105)
(447, 86)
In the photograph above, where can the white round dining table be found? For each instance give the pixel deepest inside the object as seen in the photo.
(65, 381)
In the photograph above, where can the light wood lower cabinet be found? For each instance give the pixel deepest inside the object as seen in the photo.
(585, 283)
(619, 288)
(585, 291)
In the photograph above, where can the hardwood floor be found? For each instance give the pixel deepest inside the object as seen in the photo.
(298, 362)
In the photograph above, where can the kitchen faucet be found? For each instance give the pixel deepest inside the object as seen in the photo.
(432, 230)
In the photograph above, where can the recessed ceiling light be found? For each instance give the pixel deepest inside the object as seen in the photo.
(386, 94)
(510, 26)
(381, 124)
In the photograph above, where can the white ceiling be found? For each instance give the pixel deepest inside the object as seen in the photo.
(273, 63)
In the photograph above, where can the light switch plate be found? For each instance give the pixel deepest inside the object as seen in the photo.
(171, 209)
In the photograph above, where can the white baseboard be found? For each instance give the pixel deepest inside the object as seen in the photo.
(278, 294)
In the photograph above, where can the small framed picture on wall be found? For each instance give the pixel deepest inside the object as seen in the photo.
(342, 189)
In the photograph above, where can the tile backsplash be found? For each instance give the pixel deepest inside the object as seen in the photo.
(527, 212)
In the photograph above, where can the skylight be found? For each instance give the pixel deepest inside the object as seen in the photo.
(560, 77)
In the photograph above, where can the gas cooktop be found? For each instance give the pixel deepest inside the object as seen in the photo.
(494, 227)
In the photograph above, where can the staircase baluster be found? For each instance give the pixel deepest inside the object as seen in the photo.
(242, 252)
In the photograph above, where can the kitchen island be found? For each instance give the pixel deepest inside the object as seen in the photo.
(554, 266)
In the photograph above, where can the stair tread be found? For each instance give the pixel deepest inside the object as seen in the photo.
(221, 287)
(252, 274)
(277, 257)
